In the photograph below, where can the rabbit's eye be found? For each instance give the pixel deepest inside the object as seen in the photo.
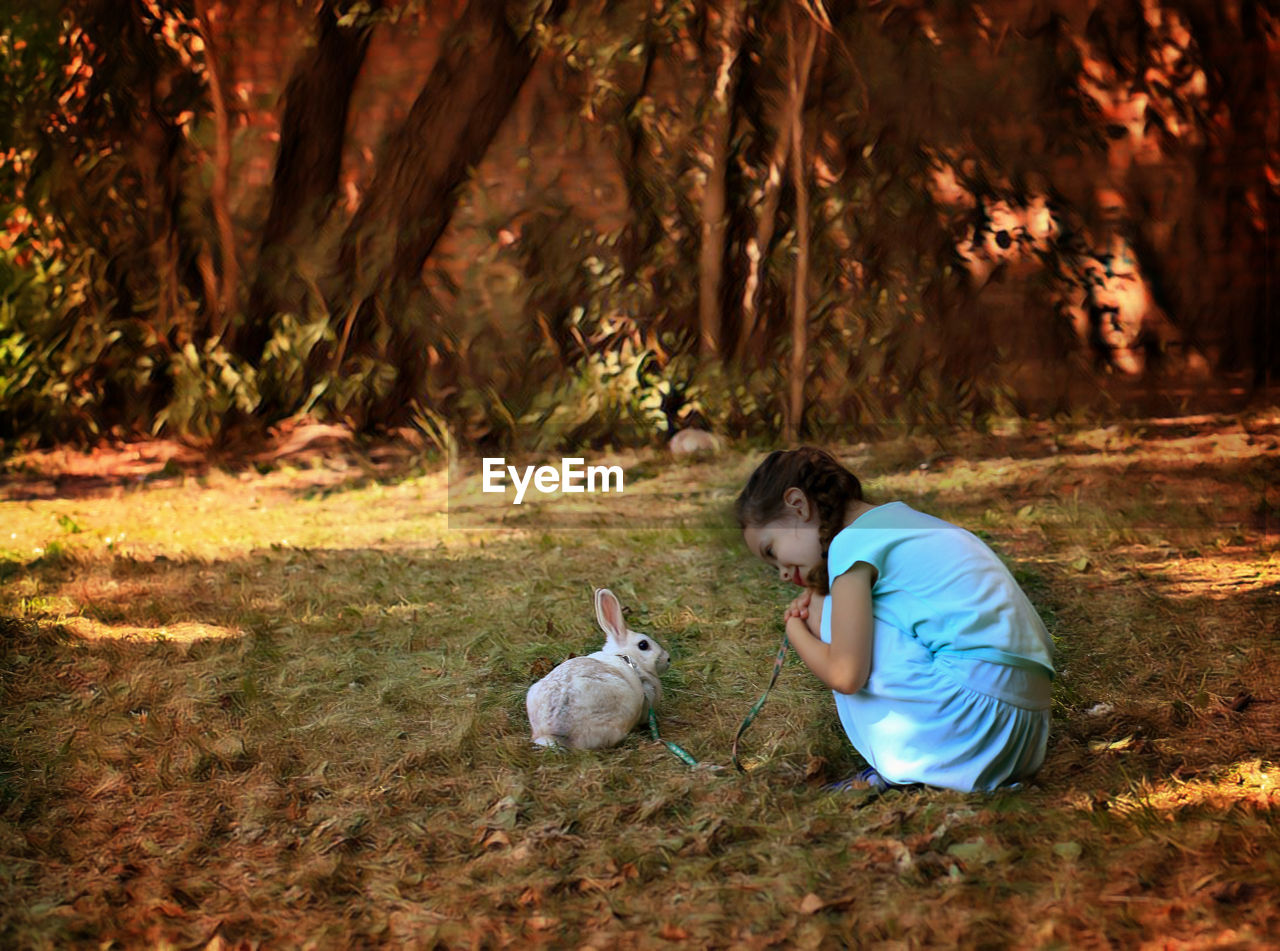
(643, 645)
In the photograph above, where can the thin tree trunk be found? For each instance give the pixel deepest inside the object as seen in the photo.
(758, 247)
(740, 218)
(157, 149)
(771, 193)
(800, 286)
(305, 183)
(711, 256)
(220, 309)
(644, 225)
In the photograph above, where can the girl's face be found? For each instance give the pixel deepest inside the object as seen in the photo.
(790, 542)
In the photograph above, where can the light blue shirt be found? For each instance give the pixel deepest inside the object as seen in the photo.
(943, 586)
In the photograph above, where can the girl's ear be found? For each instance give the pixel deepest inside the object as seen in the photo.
(795, 499)
(609, 615)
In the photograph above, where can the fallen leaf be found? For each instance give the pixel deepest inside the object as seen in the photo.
(505, 813)
(670, 932)
(1067, 850)
(811, 904)
(902, 857)
(977, 852)
(1105, 746)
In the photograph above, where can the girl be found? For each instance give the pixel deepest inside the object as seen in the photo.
(940, 665)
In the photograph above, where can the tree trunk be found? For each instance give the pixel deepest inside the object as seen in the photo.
(757, 250)
(472, 87)
(126, 95)
(645, 224)
(711, 255)
(800, 285)
(482, 65)
(220, 308)
(1238, 63)
(745, 111)
(305, 183)
(758, 246)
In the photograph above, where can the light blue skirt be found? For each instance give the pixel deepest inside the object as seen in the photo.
(946, 721)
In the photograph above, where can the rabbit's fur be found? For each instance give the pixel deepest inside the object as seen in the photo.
(594, 701)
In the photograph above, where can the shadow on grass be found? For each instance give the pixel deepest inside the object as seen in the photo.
(1185, 677)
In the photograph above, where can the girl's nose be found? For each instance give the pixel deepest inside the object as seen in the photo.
(784, 573)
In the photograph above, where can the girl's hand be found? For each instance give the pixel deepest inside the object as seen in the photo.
(798, 607)
(844, 662)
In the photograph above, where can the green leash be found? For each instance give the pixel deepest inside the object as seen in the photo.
(684, 755)
(751, 715)
(678, 750)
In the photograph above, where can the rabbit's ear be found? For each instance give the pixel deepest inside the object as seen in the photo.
(609, 615)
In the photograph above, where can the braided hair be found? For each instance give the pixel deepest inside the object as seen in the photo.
(827, 484)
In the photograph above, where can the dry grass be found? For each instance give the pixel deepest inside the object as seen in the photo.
(286, 710)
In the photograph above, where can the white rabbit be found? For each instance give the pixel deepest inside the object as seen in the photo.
(594, 701)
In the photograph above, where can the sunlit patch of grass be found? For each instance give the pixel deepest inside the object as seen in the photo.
(289, 707)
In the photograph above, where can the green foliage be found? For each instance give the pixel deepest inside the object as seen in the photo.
(207, 384)
(731, 400)
(608, 397)
(32, 59)
(287, 355)
(56, 359)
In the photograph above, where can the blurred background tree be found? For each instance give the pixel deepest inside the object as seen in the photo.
(554, 224)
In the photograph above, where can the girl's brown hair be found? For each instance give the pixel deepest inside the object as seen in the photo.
(827, 484)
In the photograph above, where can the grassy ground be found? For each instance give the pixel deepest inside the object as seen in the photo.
(285, 709)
